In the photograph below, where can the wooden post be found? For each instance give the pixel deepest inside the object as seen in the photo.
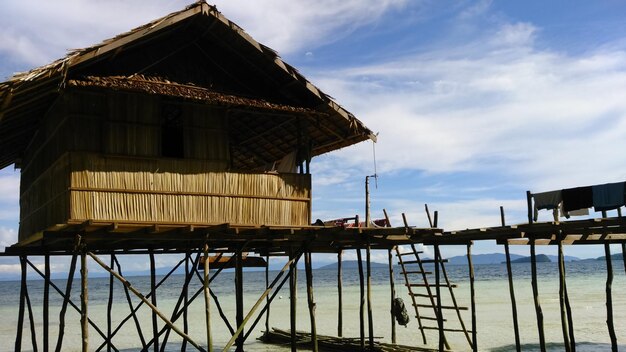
(66, 299)
(110, 306)
(339, 296)
(529, 203)
(239, 297)
(46, 303)
(311, 302)
(564, 322)
(207, 299)
(538, 311)
(609, 297)
(84, 297)
(393, 294)
(185, 300)
(370, 318)
(31, 318)
(155, 327)
(20, 316)
(509, 271)
(438, 290)
(292, 299)
(362, 299)
(267, 283)
(472, 297)
(145, 301)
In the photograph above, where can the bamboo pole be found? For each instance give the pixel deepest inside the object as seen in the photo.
(538, 311)
(239, 297)
(391, 282)
(509, 272)
(472, 297)
(291, 264)
(46, 303)
(145, 301)
(392, 293)
(155, 327)
(267, 282)
(339, 296)
(609, 297)
(310, 299)
(207, 299)
(564, 323)
(31, 318)
(370, 318)
(362, 298)
(68, 289)
(292, 299)
(183, 346)
(110, 305)
(20, 316)
(438, 290)
(84, 296)
(132, 313)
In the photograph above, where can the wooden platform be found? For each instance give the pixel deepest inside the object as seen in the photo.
(101, 236)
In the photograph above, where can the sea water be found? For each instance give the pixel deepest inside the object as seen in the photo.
(586, 285)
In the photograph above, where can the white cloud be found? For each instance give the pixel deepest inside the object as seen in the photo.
(7, 237)
(545, 118)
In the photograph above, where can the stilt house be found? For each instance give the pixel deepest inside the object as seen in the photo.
(185, 120)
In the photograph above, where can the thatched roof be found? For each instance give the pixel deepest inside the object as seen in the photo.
(207, 58)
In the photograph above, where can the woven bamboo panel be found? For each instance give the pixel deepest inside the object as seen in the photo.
(176, 190)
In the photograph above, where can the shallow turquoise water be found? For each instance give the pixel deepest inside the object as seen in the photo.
(586, 285)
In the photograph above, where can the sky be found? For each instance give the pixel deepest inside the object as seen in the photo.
(475, 102)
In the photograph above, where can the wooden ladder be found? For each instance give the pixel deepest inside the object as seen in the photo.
(417, 282)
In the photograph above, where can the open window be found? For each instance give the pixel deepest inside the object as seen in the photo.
(172, 132)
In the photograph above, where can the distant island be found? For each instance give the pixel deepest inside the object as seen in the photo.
(351, 264)
(540, 258)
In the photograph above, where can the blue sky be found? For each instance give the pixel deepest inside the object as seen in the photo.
(475, 101)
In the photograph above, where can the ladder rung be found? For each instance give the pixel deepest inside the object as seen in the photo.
(445, 329)
(432, 261)
(409, 253)
(422, 295)
(431, 285)
(418, 272)
(442, 307)
(411, 262)
(430, 318)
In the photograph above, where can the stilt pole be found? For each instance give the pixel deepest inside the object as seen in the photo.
(362, 299)
(292, 299)
(564, 322)
(239, 297)
(472, 297)
(339, 296)
(155, 326)
(68, 290)
(609, 297)
(538, 311)
(392, 293)
(267, 283)
(183, 346)
(310, 299)
(31, 318)
(20, 316)
(207, 299)
(145, 301)
(46, 303)
(509, 272)
(438, 290)
(110, 306)
(84, 297)
(370, 318)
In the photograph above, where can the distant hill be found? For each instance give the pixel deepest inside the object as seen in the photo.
(351, 264)
(540, 258)
(499, 258)
(617, 256)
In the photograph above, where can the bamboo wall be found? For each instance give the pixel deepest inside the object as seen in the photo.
(98, 156)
